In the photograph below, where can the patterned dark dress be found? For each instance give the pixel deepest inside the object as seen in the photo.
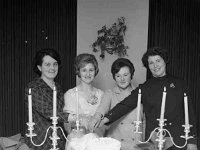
(42, 106)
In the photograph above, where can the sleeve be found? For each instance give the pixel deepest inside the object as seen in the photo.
(124, 107)
(105, 103)
(69, 102)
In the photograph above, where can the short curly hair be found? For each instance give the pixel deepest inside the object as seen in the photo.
(82, 59)
(122, 62)
(153, 52)
(40, 54)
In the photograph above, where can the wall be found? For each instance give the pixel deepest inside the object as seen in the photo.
(93, 14)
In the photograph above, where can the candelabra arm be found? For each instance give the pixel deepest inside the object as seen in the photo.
(173, 140)
(42, 141)
(63, 133)
(54, 136)
(149, 136)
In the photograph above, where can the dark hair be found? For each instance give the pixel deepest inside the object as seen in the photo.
(122, 62)
(83, 59)
(38, 59)
(153, 52)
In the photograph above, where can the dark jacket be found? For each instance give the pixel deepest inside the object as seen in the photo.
(42, 106)
(152, 91)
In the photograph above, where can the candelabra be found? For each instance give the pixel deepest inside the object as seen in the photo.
(161, 132)
(54, 126)
(54, 136)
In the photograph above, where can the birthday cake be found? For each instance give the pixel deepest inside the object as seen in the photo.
(92, 142)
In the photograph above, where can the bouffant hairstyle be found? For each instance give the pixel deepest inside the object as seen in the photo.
(83, 59)
(153, 52)
(38, 59)
(122, 62)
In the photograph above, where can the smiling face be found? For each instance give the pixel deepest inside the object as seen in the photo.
(49, 68)
(157, 66)
(123, 78)
(87, 73)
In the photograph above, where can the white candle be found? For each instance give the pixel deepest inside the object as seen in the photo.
(186, 109)
(54, 101)
(77, 103)
(163, 104)
(30, 106)
(139, 105)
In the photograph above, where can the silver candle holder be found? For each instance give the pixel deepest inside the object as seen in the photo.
(54, 136)
(161, 132)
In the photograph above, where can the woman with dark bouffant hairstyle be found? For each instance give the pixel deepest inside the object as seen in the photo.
(156, 60)
(46, 66)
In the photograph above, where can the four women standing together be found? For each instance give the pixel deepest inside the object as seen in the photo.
(92, 104)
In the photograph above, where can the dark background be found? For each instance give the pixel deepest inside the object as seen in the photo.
(25, 27)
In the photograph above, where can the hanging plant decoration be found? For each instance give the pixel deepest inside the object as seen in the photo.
(111, 40)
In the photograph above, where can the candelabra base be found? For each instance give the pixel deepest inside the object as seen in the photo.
(54, 136)
(161, 132)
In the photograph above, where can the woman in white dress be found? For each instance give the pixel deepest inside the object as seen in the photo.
(84, 96)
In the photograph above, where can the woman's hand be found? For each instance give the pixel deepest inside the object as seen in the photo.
(95, 121)
(84, 120)
(103, 121)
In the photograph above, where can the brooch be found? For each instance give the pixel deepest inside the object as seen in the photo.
(93, 99)
(172, 85)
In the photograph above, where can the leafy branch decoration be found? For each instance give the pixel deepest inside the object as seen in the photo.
(111, 40)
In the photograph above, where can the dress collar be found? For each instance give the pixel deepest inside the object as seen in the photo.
(161, 78)
(116, 89)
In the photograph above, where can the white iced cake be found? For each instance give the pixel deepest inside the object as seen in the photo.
(104, 143)
(92, 142)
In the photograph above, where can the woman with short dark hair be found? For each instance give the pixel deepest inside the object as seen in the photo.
(122, 71)
(46, 66)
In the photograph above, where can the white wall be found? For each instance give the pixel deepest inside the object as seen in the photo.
(93, 14)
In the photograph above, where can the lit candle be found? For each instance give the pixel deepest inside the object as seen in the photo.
(163, 104)
(186, 109)
(54, 101)
(77, 103)
(30, 106)
(139, 105)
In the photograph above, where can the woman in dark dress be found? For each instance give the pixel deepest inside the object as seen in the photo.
(46, 65)
(156, 59)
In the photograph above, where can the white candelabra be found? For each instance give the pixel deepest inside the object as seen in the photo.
(54, 126)
(161, 131)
